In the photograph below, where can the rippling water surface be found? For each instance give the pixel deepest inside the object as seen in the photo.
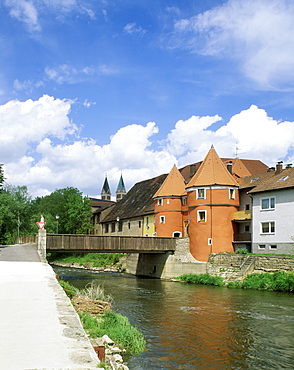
(200, 327)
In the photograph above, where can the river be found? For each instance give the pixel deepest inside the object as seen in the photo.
(200, 327)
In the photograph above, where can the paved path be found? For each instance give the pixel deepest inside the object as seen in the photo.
(39, 329)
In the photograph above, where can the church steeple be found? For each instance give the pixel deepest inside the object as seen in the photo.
(121, 190)
(105, 192)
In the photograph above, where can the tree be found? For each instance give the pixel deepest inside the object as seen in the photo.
(73, 209)
(15, 213)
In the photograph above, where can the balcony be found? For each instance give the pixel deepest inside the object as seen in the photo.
(242, 215)
(242, 237)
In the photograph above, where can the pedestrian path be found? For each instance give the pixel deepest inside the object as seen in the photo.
(39, 328)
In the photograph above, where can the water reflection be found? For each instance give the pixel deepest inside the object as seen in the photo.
(198, 327)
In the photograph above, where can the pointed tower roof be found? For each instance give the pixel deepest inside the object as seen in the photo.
(174, 184)
(106, 188)
(121, 186)
(212, 172)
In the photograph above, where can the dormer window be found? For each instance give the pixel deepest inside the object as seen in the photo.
(283, 178)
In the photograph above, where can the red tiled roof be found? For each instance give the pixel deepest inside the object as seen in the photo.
(173, 185)
(212, 172)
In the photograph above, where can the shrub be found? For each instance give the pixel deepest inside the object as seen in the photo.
(205, 279)
(68, 288)
(95, 291)
(241, 251)
(118, 328)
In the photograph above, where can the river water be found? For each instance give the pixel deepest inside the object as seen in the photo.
(200, 327)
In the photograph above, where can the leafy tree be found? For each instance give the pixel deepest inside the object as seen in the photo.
(15, 213)
(73, 209)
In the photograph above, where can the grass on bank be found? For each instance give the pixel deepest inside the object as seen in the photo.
(204, 279)
(278, 281)
(87, 259)
(116, 326)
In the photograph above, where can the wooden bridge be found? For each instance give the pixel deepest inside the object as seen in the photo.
(108, 244)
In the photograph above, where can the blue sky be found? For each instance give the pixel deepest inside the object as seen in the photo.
(95, 87)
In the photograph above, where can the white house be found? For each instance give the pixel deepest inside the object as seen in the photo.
(272, 210)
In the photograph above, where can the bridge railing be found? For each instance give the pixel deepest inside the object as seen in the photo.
(97, 243)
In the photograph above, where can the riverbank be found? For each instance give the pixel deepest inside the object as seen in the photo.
(279, 281)
(101, 323)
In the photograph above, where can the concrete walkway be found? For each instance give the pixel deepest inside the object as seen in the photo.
(39, 329)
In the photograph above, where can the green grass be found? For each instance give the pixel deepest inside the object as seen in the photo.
(88, 259)
(278, 281)
(205, 279)
(117, 327)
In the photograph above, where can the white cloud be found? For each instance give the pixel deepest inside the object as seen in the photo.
(25, 123)
(33, 156)
(24, 11)
(132, 28)
(65, 73)
(258, 34)
(31, 11)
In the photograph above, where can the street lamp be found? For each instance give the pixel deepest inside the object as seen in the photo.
(57, 217)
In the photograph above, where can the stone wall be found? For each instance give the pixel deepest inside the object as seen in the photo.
(225, 265)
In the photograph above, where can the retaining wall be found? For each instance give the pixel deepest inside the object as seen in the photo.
(226, 264)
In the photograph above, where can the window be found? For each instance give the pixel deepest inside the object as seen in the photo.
(273, 246)
(139, 224)
(177, 234)
(167, 201)
(120, 226)
(262, 246)
(268, 203)
(184, 201)
(162, 219)
(247, 207)
(147, 222)
(200, 193)
(232, 193)
(113, 227)
(247, 228)
(106, 228)
(129, 225)
(267, 227)
(201, 216)
(159, 202)
(283, 178)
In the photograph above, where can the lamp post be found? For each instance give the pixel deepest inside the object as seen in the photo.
(57, 218)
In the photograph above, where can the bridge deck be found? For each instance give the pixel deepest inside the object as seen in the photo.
(108, 244)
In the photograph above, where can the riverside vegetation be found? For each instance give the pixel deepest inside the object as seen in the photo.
(278, 281)
(106, 322)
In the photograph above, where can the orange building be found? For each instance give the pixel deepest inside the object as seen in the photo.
(212, 200)
(202, 209)
(170, 207)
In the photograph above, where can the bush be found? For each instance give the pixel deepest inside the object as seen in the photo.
(278, 281)
(118, 328)
(95, 291)
(241, 251)
(205, 279)
(68, 288)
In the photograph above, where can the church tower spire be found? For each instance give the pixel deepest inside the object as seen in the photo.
(121, 190)
(105, 192)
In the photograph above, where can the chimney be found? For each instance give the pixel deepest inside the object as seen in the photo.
(289, 165)
(230, 167)
(279, 167)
